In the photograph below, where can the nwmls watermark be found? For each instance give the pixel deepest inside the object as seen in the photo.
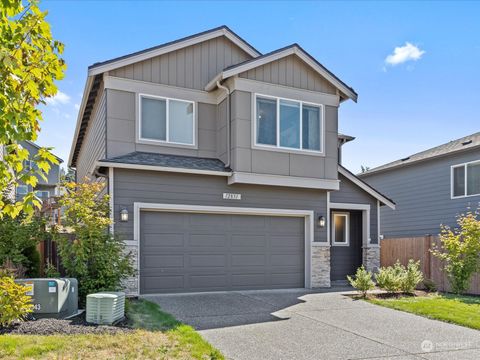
(429, 346)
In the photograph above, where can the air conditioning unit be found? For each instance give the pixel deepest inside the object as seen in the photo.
(52, 298)
(105, 307)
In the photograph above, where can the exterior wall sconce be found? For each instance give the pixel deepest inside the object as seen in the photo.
(124, 215)
(321, 221)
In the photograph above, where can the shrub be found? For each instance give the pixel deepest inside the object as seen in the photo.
(429, 285)
(32, 263)
(95, 257)
(411, 276)
(363, 281)
(460, 250)
(390, 278)
(14, 303)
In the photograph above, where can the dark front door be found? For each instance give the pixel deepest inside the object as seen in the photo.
(346, 240)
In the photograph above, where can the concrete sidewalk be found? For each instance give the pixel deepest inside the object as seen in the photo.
(298, 324)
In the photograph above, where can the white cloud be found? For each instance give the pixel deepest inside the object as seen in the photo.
(59, 98)
(402, 54)
(77, 106)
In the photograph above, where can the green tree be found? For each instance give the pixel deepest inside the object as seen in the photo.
(30, 63)
(95, 257)
(460, 250)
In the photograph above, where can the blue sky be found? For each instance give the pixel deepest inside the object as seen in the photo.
(423, 94)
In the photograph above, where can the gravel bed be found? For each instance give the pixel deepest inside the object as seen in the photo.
(77, 325)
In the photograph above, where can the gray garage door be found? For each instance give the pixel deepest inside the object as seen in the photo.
(182, 252)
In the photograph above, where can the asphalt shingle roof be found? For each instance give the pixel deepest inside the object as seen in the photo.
(464, 143)
(166, 160)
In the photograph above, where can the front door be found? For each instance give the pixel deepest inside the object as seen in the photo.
(346, 239)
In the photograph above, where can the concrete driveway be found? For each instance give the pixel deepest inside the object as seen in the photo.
(298, 324)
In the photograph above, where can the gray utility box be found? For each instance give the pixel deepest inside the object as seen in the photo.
(52, 298)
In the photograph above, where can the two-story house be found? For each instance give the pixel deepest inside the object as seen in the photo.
(222, 166)
(45, 188)
(430, 188)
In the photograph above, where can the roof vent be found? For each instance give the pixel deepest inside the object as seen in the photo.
(405, 159)
(466, 142)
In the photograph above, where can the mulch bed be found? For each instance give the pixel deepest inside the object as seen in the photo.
(76, 325)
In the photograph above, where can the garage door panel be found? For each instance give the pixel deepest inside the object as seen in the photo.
(208, 252)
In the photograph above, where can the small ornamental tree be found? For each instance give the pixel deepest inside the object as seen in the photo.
(460, 250)
(30, 64)
(362, 281)
(15, 304)
(95, 257)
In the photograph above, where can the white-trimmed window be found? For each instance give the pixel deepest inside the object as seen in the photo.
(288, 124)
(341, 229)
(42, 194)
(22, 190)
(465, 179)
(166, 120)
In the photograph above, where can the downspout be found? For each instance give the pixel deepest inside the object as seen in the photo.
(220, 86)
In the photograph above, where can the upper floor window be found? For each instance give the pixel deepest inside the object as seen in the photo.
(288, 124)
(466, 179)
(167, 120)
(22, 190)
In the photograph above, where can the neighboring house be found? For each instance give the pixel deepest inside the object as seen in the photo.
(430, 188)
(44, 189)
(222, 166)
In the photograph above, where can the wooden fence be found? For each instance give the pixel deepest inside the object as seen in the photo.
(418, 248)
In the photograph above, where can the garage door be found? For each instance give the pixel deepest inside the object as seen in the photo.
(185, 252)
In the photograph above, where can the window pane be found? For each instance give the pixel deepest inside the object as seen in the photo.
(459, 181)
(22, 189)
(311, 127)
(340, 229)
(473, 179)
(266, 121)
(180, 122)
(289, 124)
(154, 123)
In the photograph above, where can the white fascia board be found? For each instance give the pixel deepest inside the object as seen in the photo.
(160, 168)
(281, 180)
(86, 91)
(173, 47)
(366, 188)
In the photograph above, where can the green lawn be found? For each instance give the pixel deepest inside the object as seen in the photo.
(157, 336)
(461, 310)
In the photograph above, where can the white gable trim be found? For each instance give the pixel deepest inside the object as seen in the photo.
(294, 50)
(173, 47)
(366, 188)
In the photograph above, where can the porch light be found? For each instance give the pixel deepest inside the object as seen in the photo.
(124, 215)
(321, 221)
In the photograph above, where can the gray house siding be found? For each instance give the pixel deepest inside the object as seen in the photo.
(53, 176)
(168, 188)
(422, 194)
(248, 159)
(191, 67)
(351, 194)
(290, 71)
(93, 147)
(121, 131)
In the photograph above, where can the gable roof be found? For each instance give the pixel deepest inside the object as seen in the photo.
(31, 143)
(293, 49)
(465, 143)
(366, 187)
(124, 60)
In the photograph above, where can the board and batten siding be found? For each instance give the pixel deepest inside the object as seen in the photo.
(422, 195)
(121, 129)
(352, 194)
(290, 71)
(93, 145)
(248, 159)
(191, 67)
(169, 188)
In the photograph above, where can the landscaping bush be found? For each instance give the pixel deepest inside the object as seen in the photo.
(411, 276)
(95, 257)
(18, 241)
(390, 278)
(362, 281)
(14, 303)
(460, 250)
